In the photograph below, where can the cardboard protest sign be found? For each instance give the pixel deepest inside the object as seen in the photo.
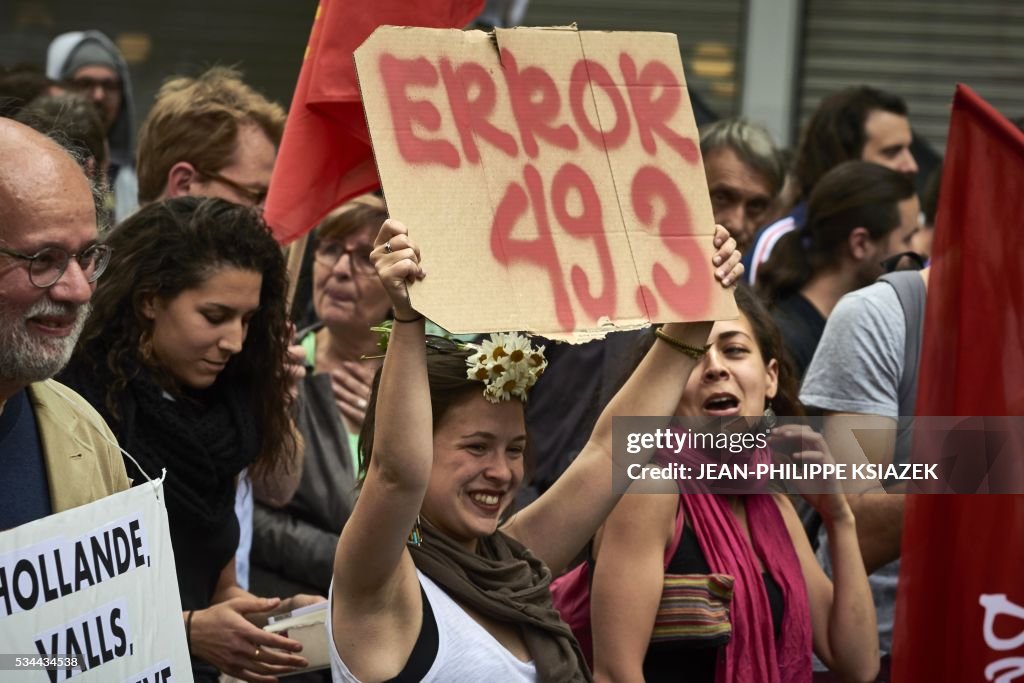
(95, 585)
(552, 177)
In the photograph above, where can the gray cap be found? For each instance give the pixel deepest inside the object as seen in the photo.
(89, 53)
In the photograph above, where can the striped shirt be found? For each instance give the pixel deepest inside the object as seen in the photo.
(768, 236)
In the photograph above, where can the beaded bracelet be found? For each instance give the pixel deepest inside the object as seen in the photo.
(694, 352)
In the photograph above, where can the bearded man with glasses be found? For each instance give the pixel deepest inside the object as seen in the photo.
(56, 452)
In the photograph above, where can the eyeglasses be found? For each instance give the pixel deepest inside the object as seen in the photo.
(905, 260)
(110, 86)
(256, 197)
(47, 265)
(329, 252)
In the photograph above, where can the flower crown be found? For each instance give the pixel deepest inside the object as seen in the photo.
(507, 364)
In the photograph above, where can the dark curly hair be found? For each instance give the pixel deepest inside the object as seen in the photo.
(769, 342)
(172, 246)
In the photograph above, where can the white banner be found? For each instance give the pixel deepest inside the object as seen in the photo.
(93, 588)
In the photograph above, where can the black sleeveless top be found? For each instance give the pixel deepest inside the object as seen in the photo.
(678, 661)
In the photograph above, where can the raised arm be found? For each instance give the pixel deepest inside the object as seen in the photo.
(374, 577)
(561, 521)
(631, 544)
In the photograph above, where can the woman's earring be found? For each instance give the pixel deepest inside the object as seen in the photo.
(416, 535)
(770, 418)
(146, 346)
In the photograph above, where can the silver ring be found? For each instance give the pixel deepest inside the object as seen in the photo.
(361, 403)
(387, 247)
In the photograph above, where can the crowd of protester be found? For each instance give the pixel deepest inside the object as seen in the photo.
(401, 473)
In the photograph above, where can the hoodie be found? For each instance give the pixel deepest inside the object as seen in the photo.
(121, 136)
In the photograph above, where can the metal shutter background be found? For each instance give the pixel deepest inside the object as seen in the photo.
(918, 49)
(710, 36)
(265, 39)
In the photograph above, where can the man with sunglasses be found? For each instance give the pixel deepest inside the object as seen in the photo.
(88, 62)
(211, 136)
(56, 452)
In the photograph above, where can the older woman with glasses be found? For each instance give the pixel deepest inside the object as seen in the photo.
(348, 299)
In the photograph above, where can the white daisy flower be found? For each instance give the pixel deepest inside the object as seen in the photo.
(507, 364)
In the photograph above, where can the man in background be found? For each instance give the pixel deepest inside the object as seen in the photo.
(864, 377)
(857, 123)
(211, 136)
(72, 122)
(89, 63)
(745, 174)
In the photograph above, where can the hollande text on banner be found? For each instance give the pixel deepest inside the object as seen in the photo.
(90, 594)
(553, 174)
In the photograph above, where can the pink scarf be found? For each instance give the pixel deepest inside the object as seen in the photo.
(753, 654)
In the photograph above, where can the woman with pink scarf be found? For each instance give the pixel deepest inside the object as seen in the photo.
(665, 565)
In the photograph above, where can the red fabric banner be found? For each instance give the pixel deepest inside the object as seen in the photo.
(960, 606)
(325, 157)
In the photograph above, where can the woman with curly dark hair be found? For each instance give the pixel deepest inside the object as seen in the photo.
(184, 355)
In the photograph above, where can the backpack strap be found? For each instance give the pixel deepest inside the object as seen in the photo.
(911, 291)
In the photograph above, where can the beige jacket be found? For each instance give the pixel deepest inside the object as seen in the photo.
(83, 463)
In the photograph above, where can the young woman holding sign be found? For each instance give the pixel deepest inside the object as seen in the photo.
(443, 449)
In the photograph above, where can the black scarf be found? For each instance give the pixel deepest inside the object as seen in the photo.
(202, 438)
(504, 581)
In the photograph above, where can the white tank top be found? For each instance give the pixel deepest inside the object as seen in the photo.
(465, 651)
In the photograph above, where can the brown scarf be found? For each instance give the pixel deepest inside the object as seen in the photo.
(504, 581)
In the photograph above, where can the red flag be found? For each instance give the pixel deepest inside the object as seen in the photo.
(960, 605)
(325, 157)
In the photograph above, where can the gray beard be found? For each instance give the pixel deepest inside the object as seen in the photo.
(27, 357)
